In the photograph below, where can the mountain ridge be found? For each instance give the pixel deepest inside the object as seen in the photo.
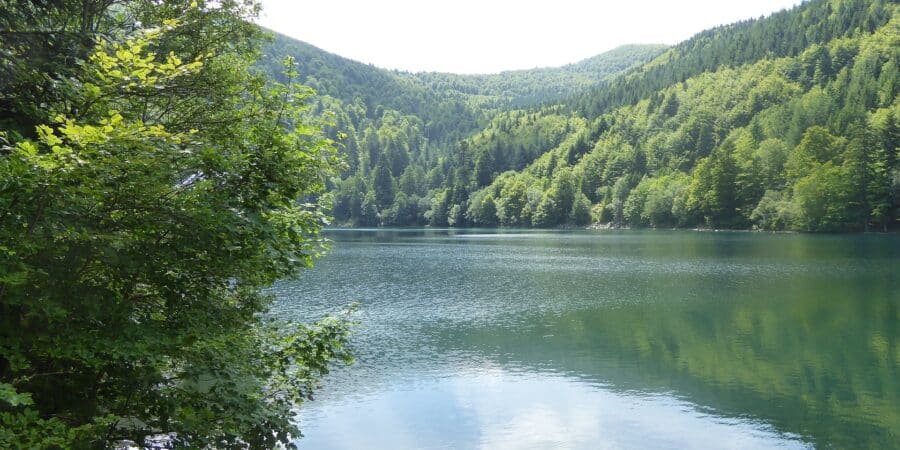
(587, 61)
(788, 121)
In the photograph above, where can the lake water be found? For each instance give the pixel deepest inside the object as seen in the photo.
(607, 339)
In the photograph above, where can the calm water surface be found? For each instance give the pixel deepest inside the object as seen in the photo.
(527, 339)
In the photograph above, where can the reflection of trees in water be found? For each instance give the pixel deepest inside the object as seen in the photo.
(824, 367)
(800, 331)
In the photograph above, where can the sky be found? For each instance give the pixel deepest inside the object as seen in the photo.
(488, 36)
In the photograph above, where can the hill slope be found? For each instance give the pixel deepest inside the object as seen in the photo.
(785, 122)
(451, 106)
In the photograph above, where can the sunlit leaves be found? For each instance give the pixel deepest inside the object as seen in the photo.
(137, 227)
(130, 65)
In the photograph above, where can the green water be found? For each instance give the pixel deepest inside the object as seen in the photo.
(526, 339)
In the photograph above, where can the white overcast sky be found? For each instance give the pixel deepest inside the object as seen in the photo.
(486, 36)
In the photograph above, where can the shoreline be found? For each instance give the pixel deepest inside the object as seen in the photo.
(607, 227)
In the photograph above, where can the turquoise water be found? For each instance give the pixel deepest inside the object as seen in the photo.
(607, 339)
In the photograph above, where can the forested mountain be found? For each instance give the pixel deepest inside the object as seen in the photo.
(449, 106)
(803, 142)
(784, 122)
(785, 33)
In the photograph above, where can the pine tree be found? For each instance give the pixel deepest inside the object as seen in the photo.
(383, 185)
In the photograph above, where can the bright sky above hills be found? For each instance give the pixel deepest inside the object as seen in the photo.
(486, 36)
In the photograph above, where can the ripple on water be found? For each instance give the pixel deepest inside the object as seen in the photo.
(482, 340)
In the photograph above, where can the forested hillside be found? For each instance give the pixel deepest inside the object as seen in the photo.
(783, 122)
(413, 123)
(449, 106)
(805, 142)
(785, 33)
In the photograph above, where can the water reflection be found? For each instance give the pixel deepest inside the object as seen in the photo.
(497, 410)
(665, 340)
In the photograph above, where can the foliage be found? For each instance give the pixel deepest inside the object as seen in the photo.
(426, 125)
(138, 223)
(732, 128)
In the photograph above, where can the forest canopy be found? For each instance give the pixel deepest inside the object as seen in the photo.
(787, 122)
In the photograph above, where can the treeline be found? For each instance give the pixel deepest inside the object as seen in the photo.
(426, 191)
(780, 144)
(524, 88)
(785, 33)
(405, 136)
(365, 92)
(787, 122)
(450, 106)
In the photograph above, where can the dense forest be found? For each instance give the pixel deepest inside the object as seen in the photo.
(164, 162)
(787, 122)
(449, 106)
(151, 184)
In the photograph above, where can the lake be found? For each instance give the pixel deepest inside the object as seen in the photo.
(607, 339)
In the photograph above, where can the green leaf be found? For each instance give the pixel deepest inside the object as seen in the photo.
(9, 396)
